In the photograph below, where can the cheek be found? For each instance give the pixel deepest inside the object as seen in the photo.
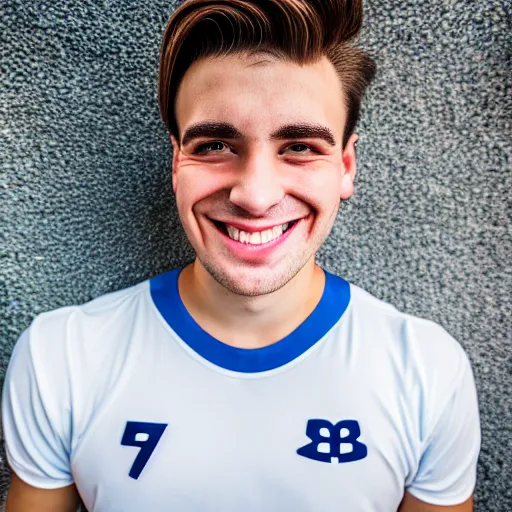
(193, 186)
(321, 190)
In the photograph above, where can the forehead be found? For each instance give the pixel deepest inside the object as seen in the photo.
(260, 93)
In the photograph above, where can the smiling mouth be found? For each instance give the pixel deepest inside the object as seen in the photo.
(254, 238)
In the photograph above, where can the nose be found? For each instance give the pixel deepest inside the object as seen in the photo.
(258, 186)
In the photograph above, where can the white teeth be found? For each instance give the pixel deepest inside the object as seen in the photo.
(233, 233)
(257, 238)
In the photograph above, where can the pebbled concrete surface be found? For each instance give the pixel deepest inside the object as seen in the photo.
(88, 206)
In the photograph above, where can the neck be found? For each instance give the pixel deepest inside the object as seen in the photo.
(250, 322)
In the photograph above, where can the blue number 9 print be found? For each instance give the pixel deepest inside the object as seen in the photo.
(145, 436)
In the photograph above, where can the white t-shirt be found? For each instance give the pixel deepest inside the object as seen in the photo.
(127, 397)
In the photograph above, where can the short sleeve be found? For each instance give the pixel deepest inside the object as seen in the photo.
(34, 417)
(447, 469)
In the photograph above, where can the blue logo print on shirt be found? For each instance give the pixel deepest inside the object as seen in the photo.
(328, 441)
(145, 436)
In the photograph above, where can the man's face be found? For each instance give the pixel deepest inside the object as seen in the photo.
(258, 189)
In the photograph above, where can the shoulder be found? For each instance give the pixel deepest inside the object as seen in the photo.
(419, 355)
(427, 368)
(75, 356)
(90, 313)
(79, 326)
(62, 344)
(424, 338)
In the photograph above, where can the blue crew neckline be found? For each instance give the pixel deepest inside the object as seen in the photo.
(333, 303)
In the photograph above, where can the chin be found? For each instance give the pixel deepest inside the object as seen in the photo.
(251, 282)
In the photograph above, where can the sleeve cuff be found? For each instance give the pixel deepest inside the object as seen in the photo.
(35, 480)
(447, 500)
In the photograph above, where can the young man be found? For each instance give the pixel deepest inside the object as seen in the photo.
(252, 379)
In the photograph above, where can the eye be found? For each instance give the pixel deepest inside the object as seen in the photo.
(213, 146)
(204, 148)
(300, 145)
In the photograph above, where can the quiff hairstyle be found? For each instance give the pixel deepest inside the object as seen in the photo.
(300, 31)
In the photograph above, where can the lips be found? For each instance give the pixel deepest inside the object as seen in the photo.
(257, 237)
(254, 239)
(261, 251)
(252, 235)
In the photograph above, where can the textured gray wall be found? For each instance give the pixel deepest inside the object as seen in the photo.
(85, 175)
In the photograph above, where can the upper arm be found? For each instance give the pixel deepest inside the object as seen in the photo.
(23, 497)
(35, 414)
(446, 473)
(412, 504)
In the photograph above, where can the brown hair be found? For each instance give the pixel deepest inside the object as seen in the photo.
(300, 31)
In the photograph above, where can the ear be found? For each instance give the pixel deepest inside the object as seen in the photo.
(175, 161)
(348, 159)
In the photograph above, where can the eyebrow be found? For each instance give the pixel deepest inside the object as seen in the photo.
(289, 131)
